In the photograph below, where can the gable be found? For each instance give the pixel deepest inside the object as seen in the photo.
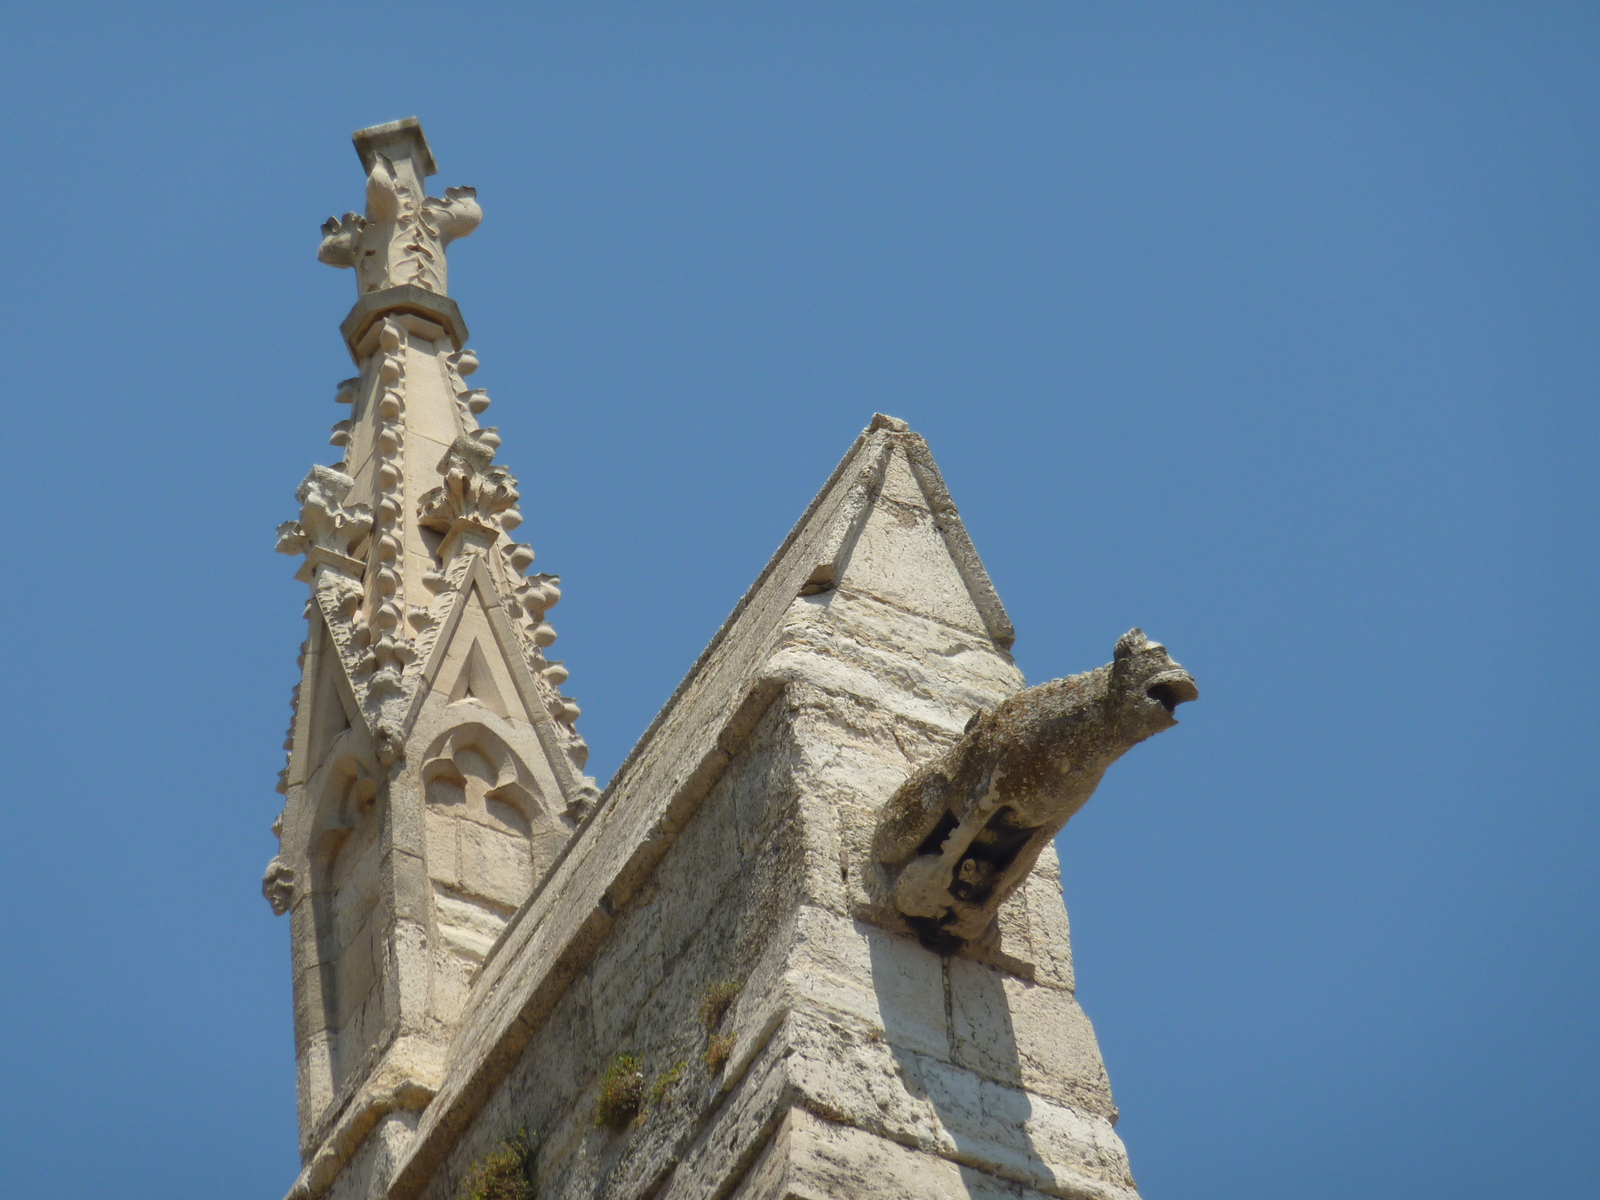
(883, 508)
(472, 658)
(900, 555)
(470, 672)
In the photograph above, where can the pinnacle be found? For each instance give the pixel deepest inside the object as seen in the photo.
(417, 513)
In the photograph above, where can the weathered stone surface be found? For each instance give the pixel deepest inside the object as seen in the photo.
(814, 1159)
(755, 879)
(966, 830)
(484, 946)
(434, 774)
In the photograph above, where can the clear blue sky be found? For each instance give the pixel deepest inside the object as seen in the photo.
(1269, 328)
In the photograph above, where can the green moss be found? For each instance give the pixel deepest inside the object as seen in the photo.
(621, 1093)
(718, 999)
(505, 1173)
(659, 1093)
(717, 1051)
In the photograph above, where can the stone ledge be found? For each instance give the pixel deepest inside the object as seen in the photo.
(407, 298)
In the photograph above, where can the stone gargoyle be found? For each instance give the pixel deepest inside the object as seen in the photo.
(966, 829)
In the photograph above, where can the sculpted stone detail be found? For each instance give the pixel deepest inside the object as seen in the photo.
(391, 782)
(389, 649)
(475, 489)
(403, 236)
(277, 885)
(965, 830)
(471, 403)
(326, 522)
(388, 744)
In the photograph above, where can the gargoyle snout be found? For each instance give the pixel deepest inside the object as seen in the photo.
(1172, 688)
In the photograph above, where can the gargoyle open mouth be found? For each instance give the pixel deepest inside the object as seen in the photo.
(1171, 689)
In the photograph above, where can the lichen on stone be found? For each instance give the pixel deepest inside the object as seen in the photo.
(621, 1093)
(504, 1173)
(718, 999)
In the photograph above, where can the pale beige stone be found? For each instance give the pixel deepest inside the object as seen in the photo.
(477, 934)
(891, 983)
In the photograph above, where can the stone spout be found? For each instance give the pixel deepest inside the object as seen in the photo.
(963, 833)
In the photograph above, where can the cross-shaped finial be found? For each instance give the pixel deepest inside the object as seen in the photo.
(402, 238)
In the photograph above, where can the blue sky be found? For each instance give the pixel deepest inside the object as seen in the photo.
(1270, 328)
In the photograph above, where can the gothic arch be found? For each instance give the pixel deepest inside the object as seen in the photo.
(490, 831)
(344, 851)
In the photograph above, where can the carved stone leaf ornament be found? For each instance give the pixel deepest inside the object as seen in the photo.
(402, 238)
(474, 488)
(326, 522)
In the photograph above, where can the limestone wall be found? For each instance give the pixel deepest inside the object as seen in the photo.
(950, 1069)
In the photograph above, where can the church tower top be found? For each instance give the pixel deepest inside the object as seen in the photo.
(434, 769)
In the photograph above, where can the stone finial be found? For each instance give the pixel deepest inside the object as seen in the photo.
(965, 830)
(402, 238)
(328, 530)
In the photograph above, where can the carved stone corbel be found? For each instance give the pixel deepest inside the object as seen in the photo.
(962, 834)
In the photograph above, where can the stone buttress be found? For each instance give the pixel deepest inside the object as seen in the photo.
(434, 772)
(732, 856)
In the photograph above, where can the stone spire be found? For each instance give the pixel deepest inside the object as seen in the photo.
(434, 769)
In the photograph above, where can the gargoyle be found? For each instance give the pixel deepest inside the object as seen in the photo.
(966, 829)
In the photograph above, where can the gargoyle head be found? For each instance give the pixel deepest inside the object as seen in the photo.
(1146, 685)
(277, 885)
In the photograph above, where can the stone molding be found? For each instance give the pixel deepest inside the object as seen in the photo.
(403, 299)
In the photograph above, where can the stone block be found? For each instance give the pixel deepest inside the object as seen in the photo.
(705, 857)
(760, 781)
(466, 925)
(981, 1031)
(889, 982)
(442, 851)
(1083, 1154)
(1026, 1034)
(1049, 930)
(901, 556)
(452, 984)
(495, 865)
(814, 1159)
